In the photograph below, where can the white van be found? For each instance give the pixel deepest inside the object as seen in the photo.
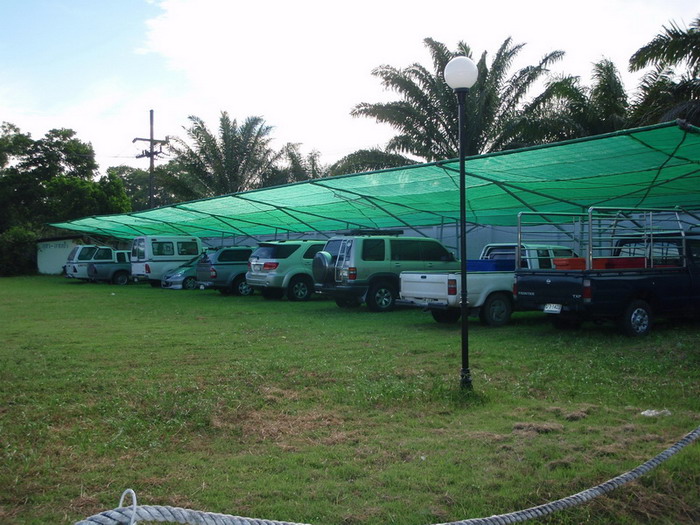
(153, 255)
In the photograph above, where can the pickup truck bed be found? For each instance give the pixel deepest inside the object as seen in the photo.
(488, 295)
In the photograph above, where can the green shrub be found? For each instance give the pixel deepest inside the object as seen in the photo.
(17, 251)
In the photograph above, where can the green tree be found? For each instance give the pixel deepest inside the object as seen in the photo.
(169, 185)
(426, 114)
(238, 158)
(293, 166)
(368, 160)
(51, 179)
(671, 89)
(566, 109)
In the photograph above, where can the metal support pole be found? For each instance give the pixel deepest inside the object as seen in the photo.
(465, 374)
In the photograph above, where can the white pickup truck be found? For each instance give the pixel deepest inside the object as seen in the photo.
(489, 283)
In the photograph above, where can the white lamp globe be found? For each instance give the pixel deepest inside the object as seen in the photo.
(461, 73)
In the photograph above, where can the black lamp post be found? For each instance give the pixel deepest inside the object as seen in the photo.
(461, 74)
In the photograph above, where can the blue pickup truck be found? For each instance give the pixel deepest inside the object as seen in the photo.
(636, 269)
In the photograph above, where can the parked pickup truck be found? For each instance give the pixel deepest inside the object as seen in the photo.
(114, 267)
(635, 269)
(489, 283)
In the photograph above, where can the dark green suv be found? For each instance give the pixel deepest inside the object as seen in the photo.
(364, 266)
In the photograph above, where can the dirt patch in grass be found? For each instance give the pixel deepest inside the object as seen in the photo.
(289, 430)
(538, 428)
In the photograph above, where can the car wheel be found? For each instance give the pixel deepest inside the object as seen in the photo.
(496, 310)
(381, 297)
(300, 289)
(120, 278)
(190, 283)
(450, 315)
(637, 319)
(240, 286)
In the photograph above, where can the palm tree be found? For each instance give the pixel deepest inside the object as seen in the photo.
(238, 159)
(566, 109)
(426, 114)
(664, 93)
(672, 47)
(368, 160)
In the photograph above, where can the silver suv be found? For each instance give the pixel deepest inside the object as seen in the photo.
(364, 266)
(224, 270)
(277, 268)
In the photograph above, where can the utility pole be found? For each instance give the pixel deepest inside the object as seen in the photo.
(151, 154)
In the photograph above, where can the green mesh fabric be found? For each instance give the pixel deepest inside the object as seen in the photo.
(656, 166)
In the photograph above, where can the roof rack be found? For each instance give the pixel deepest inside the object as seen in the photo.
(368, 231)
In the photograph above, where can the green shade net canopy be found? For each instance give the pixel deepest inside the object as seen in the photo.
(652, 167)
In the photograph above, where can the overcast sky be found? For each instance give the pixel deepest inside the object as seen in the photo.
(99, 66)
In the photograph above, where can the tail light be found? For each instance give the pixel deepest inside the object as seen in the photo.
(249, 267)
(212, 272)
(270, 265)
(515, 289)
(587, 292)
(147, 268)
(451, 286)
(352, 273)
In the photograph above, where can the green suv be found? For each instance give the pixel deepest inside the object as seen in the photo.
(277, 268)
(364, 266)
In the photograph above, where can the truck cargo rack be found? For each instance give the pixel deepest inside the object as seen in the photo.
(615, 239)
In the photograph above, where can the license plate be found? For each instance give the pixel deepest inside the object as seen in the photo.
(552, 308)
(257, 267)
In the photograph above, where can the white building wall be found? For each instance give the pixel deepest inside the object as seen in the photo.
(51, 255)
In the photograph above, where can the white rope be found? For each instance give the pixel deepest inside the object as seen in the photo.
(135, 513)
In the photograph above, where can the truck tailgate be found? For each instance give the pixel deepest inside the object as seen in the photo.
(536, 289)
(424, 286)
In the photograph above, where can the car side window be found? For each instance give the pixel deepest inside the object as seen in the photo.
(103, 254)
(312, 250)
(186, 248)
(693, 246)
(138, 250)
(405, 250)
(234, 255)
(121, 257)
(373, 250)
(434, 251)
(86, 254)
(543, 259)
(162, 248)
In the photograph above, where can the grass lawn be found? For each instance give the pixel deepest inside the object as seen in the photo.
(306, 412)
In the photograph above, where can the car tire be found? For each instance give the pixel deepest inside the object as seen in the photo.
(322, 266)
(496, 310)
(637, 319)
(190, 283)
(240, 287)
(120, 278)
(300, 288)
(449, 316)
(381, 297)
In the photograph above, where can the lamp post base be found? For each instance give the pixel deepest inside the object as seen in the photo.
(465, 379)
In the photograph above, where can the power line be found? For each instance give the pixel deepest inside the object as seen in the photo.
(151, 153)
